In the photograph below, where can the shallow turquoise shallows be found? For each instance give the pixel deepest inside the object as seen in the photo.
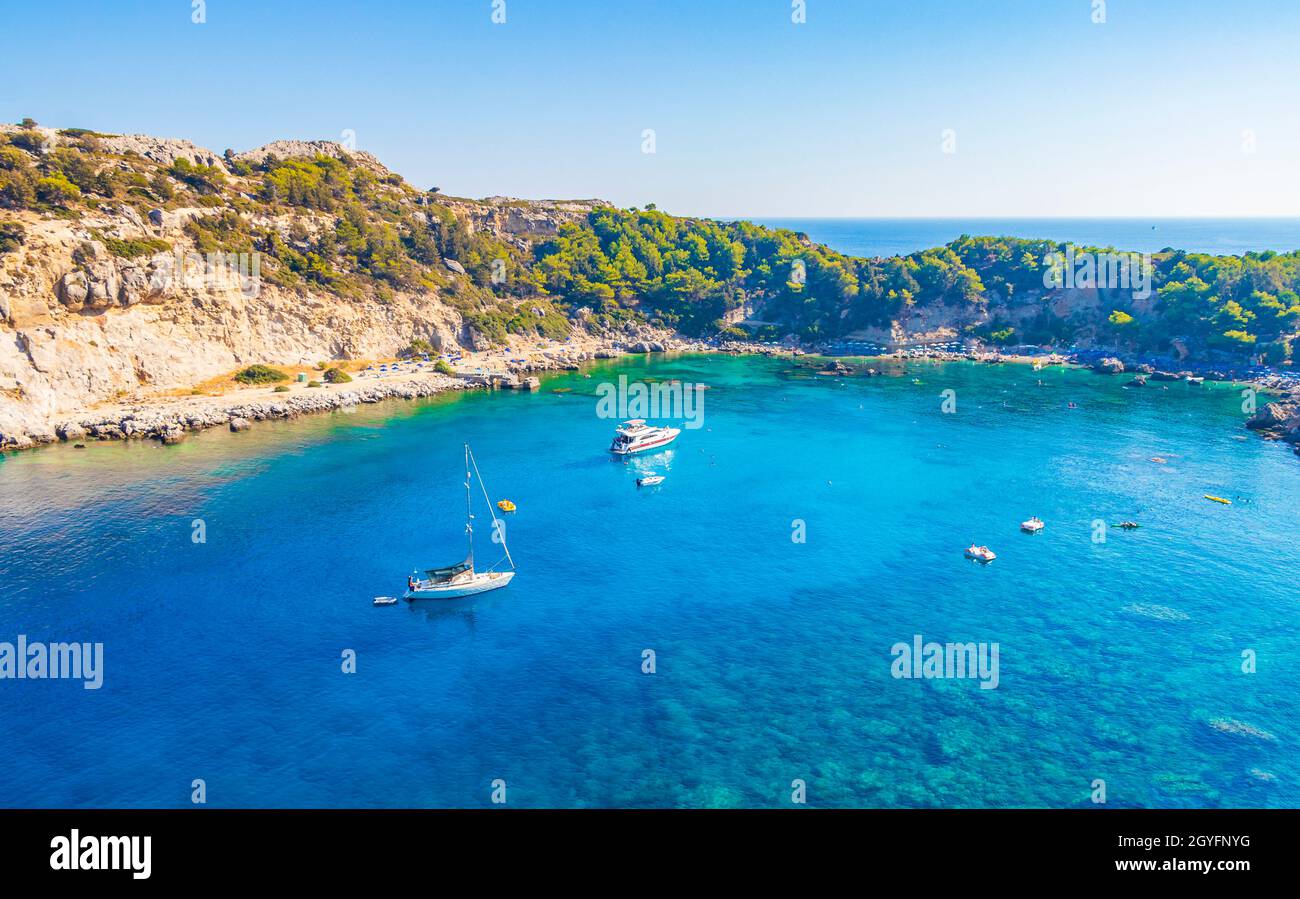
(1120, 661)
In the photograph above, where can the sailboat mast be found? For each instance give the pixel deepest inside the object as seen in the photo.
(469, 514)
(487, 499)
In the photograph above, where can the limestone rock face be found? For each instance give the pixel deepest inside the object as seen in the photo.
(86, 318)
(135, 286)
(1109, 365)
(79, 325)
(514, 221)
(162, 149)
(291, 149)
(1271, 416)
(73, 290)
(646, 346)
(1280, 421)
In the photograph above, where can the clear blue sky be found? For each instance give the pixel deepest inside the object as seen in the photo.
(754, 115)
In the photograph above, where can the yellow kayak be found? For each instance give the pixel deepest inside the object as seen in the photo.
(1218, 499)
(506, 506)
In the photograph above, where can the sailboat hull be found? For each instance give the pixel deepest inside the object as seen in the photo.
(479, 583)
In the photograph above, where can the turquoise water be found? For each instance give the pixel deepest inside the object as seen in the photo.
(223, 659)
(891, 237)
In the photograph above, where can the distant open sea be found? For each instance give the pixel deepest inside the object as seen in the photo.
(892, 237)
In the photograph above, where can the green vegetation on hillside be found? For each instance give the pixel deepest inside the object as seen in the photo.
(688, 273)
(12, 236)
(132, 248)
(354, 230)
(260, 374)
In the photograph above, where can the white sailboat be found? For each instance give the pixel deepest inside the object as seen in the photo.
(456, 581)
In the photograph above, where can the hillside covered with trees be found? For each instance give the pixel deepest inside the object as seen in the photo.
(691, 273)
(341, 224)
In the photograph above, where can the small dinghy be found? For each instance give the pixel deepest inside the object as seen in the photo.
(649, 480)
(1032, 526)
(506, 506)
(980, 553)
(1128, 525)
(385, 600)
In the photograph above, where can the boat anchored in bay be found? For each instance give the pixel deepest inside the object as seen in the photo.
(459, 580)
(636, 436)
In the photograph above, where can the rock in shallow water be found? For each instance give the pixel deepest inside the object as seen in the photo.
(70, 431)
(1240, 729)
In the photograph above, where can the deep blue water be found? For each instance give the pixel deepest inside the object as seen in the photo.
(223, 659)
(891, 237)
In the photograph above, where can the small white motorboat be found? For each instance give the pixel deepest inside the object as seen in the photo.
(650, 480)
(385, 600)
(980, 553)
(1032, 526)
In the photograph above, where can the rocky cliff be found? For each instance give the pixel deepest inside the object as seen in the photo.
(167, 264)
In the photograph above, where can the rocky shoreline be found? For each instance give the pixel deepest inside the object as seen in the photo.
(1278, 419)
(170, 420)
(170, 424)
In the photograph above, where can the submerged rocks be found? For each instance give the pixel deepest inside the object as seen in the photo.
(837, 369)
(1156, 612)
(1240, 729)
